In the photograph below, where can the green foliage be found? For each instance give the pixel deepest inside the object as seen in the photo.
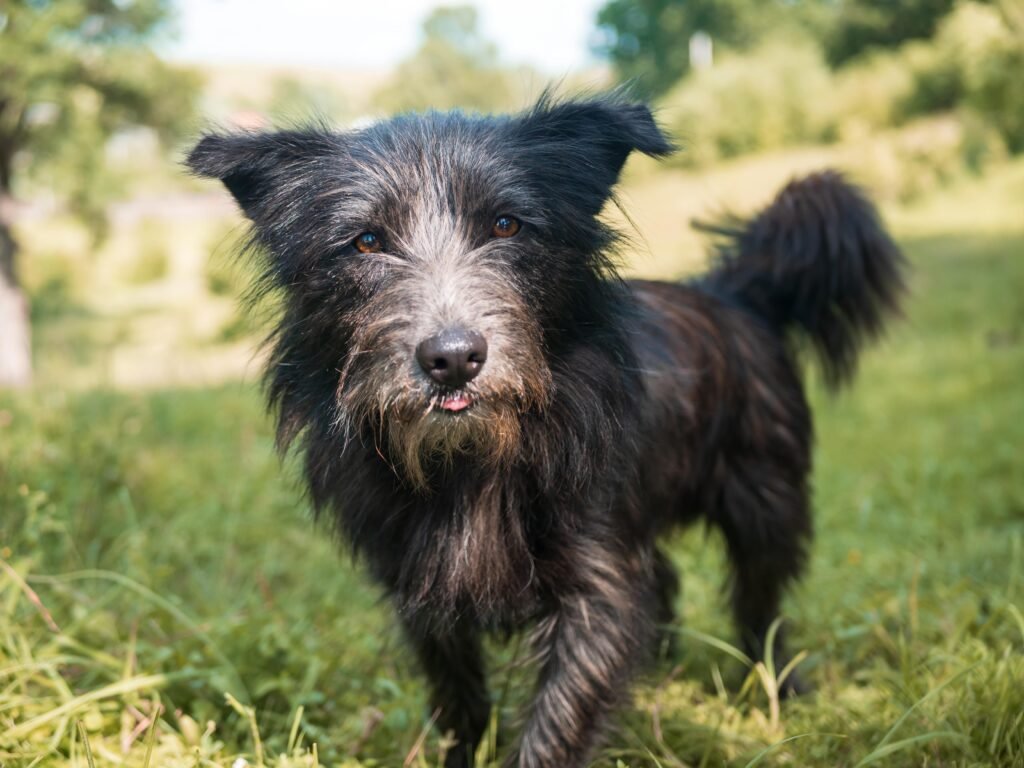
(997, 92)
(894, 60)
(944, 68)
(647, 40)
(455, 67)
(973, 62)
(994, 81)
(927, 154)
(152, 261)
(873, 93)
(783, 93)
(76, 72)
(775, 95)
(864, 25)
(51, 286)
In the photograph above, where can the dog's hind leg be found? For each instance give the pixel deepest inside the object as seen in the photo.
(766, 522)
(454, 665)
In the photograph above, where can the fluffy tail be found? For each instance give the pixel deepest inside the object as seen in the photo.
(818, 261)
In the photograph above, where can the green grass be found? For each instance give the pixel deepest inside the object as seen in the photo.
(157, 557)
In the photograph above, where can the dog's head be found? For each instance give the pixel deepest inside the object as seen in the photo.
(431, 265)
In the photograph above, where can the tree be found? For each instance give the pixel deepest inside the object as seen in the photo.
(861, 25)
(72, 74)
(454, 67)
(647, 41)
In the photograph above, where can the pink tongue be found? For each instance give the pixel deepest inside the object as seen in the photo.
(455, 403)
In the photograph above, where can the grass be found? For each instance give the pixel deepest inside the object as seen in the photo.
(164, 600)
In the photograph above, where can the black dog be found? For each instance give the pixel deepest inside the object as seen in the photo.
(501, 427)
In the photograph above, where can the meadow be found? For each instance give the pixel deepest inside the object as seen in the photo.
(166, 601)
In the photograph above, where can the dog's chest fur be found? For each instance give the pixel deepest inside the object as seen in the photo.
(489, 543)
(474, 552)
(468, 548)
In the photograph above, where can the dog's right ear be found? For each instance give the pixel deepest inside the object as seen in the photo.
(583, 144)
(252, 165)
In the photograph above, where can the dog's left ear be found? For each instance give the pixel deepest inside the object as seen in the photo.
(253, 165)
(270, 174)
(589, 141)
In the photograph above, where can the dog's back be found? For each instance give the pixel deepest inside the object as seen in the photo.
(815, 269)
(727, 424)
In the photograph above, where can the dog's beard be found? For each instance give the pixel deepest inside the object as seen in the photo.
(421, 440)
(428, 442)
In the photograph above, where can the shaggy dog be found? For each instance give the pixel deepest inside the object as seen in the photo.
(502, 428)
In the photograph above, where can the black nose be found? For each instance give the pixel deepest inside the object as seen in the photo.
(453, 356)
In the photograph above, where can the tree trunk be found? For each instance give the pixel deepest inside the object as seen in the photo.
(15, 330)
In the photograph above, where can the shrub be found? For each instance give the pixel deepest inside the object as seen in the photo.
(767, 98)
(976, 60)
(942, 67)
(152, 261)
(871, 94)
(909, 162)
(782, 93)
(994, 81)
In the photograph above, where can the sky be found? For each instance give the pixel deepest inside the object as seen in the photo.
(551, 35)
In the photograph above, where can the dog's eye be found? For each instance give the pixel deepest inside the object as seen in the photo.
(505, 226)
(367, 242)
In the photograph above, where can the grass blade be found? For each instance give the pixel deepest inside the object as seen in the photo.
(884, 751)
(772, 747)
(111, 691)
(158, 600)
(714, 642)
(86, 745)
(916, 704)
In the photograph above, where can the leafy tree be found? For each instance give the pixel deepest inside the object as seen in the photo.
(647, 41)
(861, 25)
(993, 69)
(454, 67)
(72, 74)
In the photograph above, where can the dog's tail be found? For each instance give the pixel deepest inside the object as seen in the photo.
(817, 261)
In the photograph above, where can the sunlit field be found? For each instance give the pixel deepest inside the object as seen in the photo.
(165, 599)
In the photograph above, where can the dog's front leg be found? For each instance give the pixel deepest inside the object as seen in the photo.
(589, 648)
(453, 662)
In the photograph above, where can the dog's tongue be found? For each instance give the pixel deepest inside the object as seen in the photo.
(456, 403)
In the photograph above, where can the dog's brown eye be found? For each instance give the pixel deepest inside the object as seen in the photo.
(505, 226)
(367, 243)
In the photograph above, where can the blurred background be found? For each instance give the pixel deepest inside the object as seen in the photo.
(125, 262)
(154, 557)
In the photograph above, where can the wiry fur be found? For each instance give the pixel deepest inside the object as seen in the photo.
(606, 413)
